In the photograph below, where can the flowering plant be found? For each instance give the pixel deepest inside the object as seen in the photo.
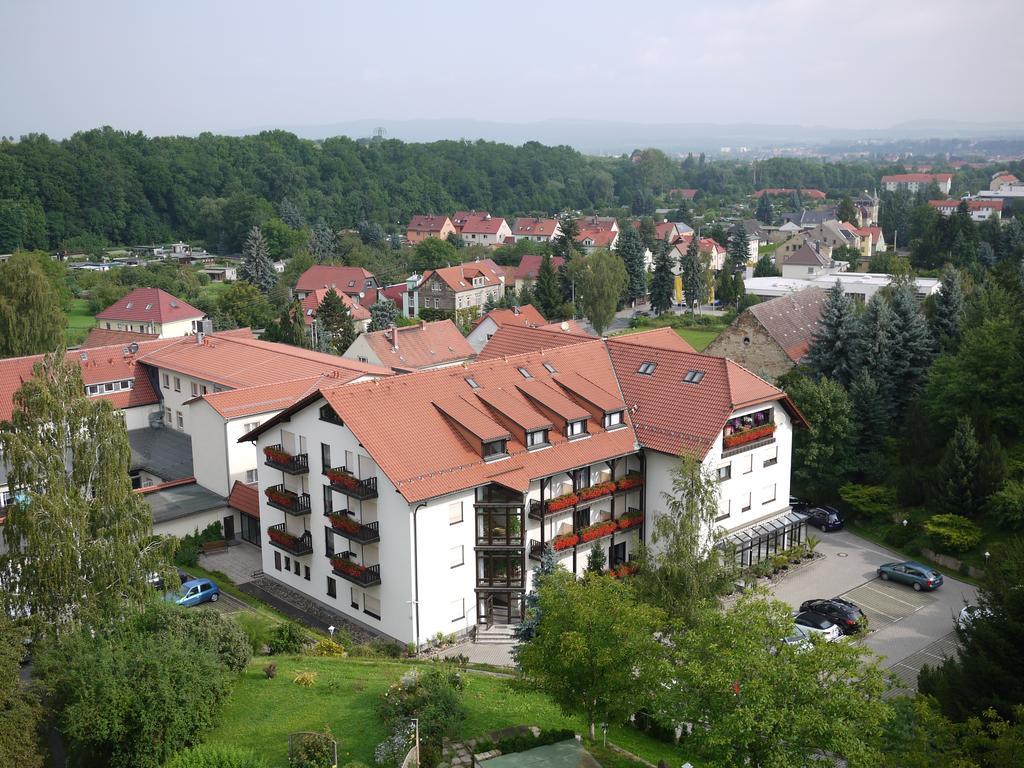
(564, 541)
(277, 454)
(632, 480)
(281, 496)
(630, 520)
(599, 530)
(344, 523)
(747, 436)
(345, 565)
(625, 569)
(283, 537)
(343, 478)
(564, 501)
(597, 491)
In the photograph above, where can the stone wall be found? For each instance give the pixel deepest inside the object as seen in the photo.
(749, 344)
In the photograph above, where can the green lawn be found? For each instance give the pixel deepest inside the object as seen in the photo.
(698, 338)
(261, 713)
(80, 320)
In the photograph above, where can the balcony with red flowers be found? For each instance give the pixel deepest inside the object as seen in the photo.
(277, 457)
(744, 433)
(295, 544)
(357, 573)
(599, 530)
(585, 496)
(343, 522)
(291, 502)
(343, 481)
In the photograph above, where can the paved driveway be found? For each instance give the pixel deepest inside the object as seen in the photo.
(908, 628)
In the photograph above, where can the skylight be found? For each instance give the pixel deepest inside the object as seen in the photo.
(149, 307)
(693, 377)
(129, 305)
(472, 382)
(526, 373)
(646, 369)
(550, 368)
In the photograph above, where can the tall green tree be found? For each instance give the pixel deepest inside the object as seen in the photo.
(737, 249)
(756, 702)
(383, 314)
(289, 327)
(630, 249)
(847, 211)
(764, 213)
(957, 476)
(335, 324)
(694, 275)
(240, 306)
(948, 310)
(256, 267)
(876, 351)
(527, 628)
(822, 452)
(894, 218)
(19, 703)
(600, 279)
(663, 281)
(681, 570)
(765, 267)
(872, 424)
(434, 254)
(546, 293)
(323, 243)
(564, 244)
(832, 353)
(648, 233)
(915, 345)
(595, 651)
(80, 542)
(31, 321)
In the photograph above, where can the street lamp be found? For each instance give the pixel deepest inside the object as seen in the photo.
(331, 629)
(905, 521)
(604, 730)
(987, 555)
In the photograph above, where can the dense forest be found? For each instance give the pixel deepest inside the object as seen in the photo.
(109, 187)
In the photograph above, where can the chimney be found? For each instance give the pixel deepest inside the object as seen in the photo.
(394, 337)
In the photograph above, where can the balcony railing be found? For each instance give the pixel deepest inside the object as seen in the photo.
(536, 549)
(346, 525)
(291, 502)
(746, 435)
(289, 542)
(278, 458)
(363, 575)
(343, 481)
(585, 496)
(599, 530)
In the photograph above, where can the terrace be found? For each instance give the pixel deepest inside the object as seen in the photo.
(744, 433)
(343, 522)
(350, 570)
(585, 496)
(598, 530)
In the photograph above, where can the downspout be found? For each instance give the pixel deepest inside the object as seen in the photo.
(416, 572)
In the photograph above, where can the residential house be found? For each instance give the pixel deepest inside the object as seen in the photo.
(771, 337)
(220, 274)
(808, 194)
(480, 228)
(413, 347)
(484, 328)
(357, 283)
(595, 232)
(979, 209)
(515, 339)
(411, 532)
(1002, 179)
(682, 194)
(150, 311)
(536, 230)
(809, 261)
(311, 305)
(525, 275)
(424, 227)
(867, 204)
(914, 182)
(838, 234)
(807, 218)
(874, 237)
(450, 289)
(101, 337)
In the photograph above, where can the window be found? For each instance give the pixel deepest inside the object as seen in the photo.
(435, 287)
(180, 419)
(526, 374)
(536, 438)
(728, 511)
(203, 389)
(472, 382)
(458, 609)
(354, 598)
(773, 459)
(328, 500)
(693, 377)
(277, 560)
(456, 556)
(724, 473)
(298, 567)
(455, 513)
(768, 494)
(576, 428)
(748, 463)
(195, 389)
(247, 428)
(746, 504)
(646, 369)
(287, 563)
(167, 415)
(332, 587)
(371, 606)
(252, 476)
(166, 380)
(177, 384)
(494, 449)
(613, 419)
(306, 572)
(550, 368)
(363, 359)
(325, 456)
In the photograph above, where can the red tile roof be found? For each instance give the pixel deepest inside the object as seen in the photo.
(427, 223)
(685, 194)
(420, 346)
(245, 498)
(517, 339)
(533, 227)
(460, 277)
(101, 337)
(672, 416)
(394, 293)
(248, 401)
(599, 237)
(461, 218)
(810, 194)
(150, 305)
(350, 280)
(662, 338)
(526, 315)
(487, 225)
(926, 178)
(792, 320)
(972, 205)
(875, 233)
(529, 266)
(314, 299)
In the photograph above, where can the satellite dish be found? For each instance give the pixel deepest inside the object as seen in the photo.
(362, 295)
(564, 326)
(133, 348)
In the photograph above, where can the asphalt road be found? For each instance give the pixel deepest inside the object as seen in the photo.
(908, 628)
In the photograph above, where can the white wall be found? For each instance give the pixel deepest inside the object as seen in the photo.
(175, 399)
(478, 336)
(210, 447)
(360, 348)
(138, 418)
(183, 526)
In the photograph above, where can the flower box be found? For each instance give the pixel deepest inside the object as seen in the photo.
(599, 530)
(630, 521)
(564, 541)
(597, 491)
(344, 479)
(284, 498)
(564, 501)
(347, 566)
(277, 455)
(283, 538)
(736, 439)
(344, 523)
(624, 569)
(632, 480)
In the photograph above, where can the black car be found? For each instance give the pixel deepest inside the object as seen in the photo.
(846, 615)
(799, 505)
(825, 518)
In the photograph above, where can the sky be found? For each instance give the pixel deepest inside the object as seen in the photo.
(187, 66)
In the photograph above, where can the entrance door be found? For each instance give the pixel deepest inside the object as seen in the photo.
(500, 608)
(229, 528)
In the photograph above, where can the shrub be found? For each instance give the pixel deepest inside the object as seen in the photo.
(899, 535)
(270, 670)
(524, 741)
(189, 547)
(288, 637)
(387, 648)
(1007, 505)
(312, 750)
(875, 502)
(208, 629)
(952, 533)
(213, 756)
(327, 647)
(431, 695)
(355, 764)
(305, 678)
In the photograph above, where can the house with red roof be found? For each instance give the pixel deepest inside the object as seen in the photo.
(450, 289)
(979, 209)
(358, 284)
(483, 229)
(439, 488)
(485, 327)
(424, 227)
(595, 232)
(409, 348)
(914, 182)
(311, 305)
(874, 236)
(682, 194)
(150, 311)
(1002, 179)
(536, 230)
(525, 274)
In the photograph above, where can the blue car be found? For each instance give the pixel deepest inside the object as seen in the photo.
(195, 592)
(916, 575)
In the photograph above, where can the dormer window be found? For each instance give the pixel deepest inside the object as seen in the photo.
(646, 369)
(576, 428)
(495, 449)
(693, 377)
(536, 438)
(613, 420)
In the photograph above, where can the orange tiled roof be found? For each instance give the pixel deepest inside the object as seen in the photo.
(529, 226)
(527, 315)
(517, 339)
(150, 305)
(102, 337)
(420, 346)
(350, 280)
(248, 401)
(663, 338)
(529, 266)
(427, 223)
(311, 304)
(460, 277)
(245, 498)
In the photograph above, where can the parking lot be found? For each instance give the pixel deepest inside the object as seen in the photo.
(907, 629)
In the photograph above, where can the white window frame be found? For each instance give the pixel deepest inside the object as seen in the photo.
(457, 556)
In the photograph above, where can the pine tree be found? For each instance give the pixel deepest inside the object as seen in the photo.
(596, 560)
(663, 282)
(527, 629)
(872, 425)
(630, 249)
(875, 351)
(289, 328)
(914, 344)
(957, 473)
(256, 267)
(322, 243)
(693, 275)
(832, 347)
(724, 288)
(949, 310)
(738, 248)
(565, 244)
(847, 211)
(682, 214)
(546, 291)
(80, 542)
(765, 267)
(291, 215)
(336, 325)
(383, 314)
(765, 214)
(647, 231)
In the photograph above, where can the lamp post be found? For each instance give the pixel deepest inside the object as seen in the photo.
(905, 521)
(987, 555)
(330, 630)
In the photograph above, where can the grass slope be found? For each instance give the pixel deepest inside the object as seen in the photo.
(80, 320)
(261, 713)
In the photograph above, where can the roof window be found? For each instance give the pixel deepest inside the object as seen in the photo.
(693, 377)
(647, 368)
(550, 368)
(149, 307)
(472, 382)
(129, 305)
(526, 373)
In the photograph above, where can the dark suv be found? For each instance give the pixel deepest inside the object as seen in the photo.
(846, 615)
(825, 518)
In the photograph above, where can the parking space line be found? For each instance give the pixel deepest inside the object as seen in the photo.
(890, 597)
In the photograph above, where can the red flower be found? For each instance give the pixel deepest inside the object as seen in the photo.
(344, 523)
(343, 478)
(597, 491)
(347, 566)
(747, 436)
(284, 498)
(564, 541)
(630, 521)
(283, 537)
(599, 530)
(277, 454)
(564, 501)
(632, 480)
